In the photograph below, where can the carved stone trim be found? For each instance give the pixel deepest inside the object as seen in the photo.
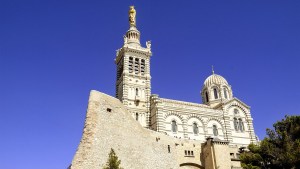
(174, 114)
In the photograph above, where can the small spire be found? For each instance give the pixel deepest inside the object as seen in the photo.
(212, 69)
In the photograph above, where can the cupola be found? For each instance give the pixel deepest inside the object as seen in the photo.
(215, 90)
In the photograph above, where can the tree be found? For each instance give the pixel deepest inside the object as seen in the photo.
(113, 162)
(280, 149)
(251, 159)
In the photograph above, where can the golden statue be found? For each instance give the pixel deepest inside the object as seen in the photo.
(132, 14)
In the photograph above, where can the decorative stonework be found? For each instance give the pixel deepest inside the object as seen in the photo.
(138, 124)
(128, 139)
(197, 117)
(174, 114)
(237, 103)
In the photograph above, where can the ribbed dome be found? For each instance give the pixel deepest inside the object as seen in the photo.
(215, 79)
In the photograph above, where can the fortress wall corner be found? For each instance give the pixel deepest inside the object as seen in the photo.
(109, 125)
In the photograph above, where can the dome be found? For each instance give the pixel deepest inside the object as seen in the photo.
(215, 79)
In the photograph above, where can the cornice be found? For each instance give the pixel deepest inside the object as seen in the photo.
(169, 104)
(136, 50)
(237, 100)
(184, 103)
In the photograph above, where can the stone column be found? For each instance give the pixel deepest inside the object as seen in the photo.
(185, 127)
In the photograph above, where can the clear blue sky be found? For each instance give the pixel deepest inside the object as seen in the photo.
(52, 53)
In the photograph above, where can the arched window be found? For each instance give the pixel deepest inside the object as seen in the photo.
(174, 126)
(136, 66)
(130, 66)
(195, 128)
(215, 93)
(136, 116)
(241, 125)
(215, 130)
(236, 124)
(225, 93)
(142, 66)
(206, 96)
(136, 91)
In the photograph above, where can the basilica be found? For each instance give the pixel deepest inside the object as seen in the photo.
(148, 131)
(220, 115)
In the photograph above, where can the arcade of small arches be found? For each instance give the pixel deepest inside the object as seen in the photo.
(197, 128)
(134, 35)
(194, 126)
(136, 65)
(215, 88)
(215, 93)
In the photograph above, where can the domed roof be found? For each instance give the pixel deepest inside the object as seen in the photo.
(215, 79)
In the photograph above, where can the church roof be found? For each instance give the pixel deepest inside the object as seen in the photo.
(215, 79)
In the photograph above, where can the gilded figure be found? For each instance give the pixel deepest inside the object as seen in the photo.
(132, 14)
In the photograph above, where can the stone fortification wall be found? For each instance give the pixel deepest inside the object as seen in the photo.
(108, 125)
(223, 160)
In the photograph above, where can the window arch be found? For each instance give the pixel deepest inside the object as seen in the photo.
(136, 116)
(195, 128)
(206, 96)
(136, 66)
(215, 93)
(215, 130)
(136, 91)
(236, 124)
(225, 93)
(143, 66)
(241, 125)
(130, 65)
(174, 126)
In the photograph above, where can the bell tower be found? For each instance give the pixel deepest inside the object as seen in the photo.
(133, 84)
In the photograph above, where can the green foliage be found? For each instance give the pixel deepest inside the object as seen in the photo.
(113, 162)
(251, 159)
(281, 149)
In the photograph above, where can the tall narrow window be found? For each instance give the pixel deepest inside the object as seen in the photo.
(215, 130)
(225, 93)
(195, 128)
(236, 125)
(136, 116)
(241, 125)
(143, 66)
(215, 93)
(206, 96)
(130, 65)
(136, 91)
(136, 66)
(174, 126)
